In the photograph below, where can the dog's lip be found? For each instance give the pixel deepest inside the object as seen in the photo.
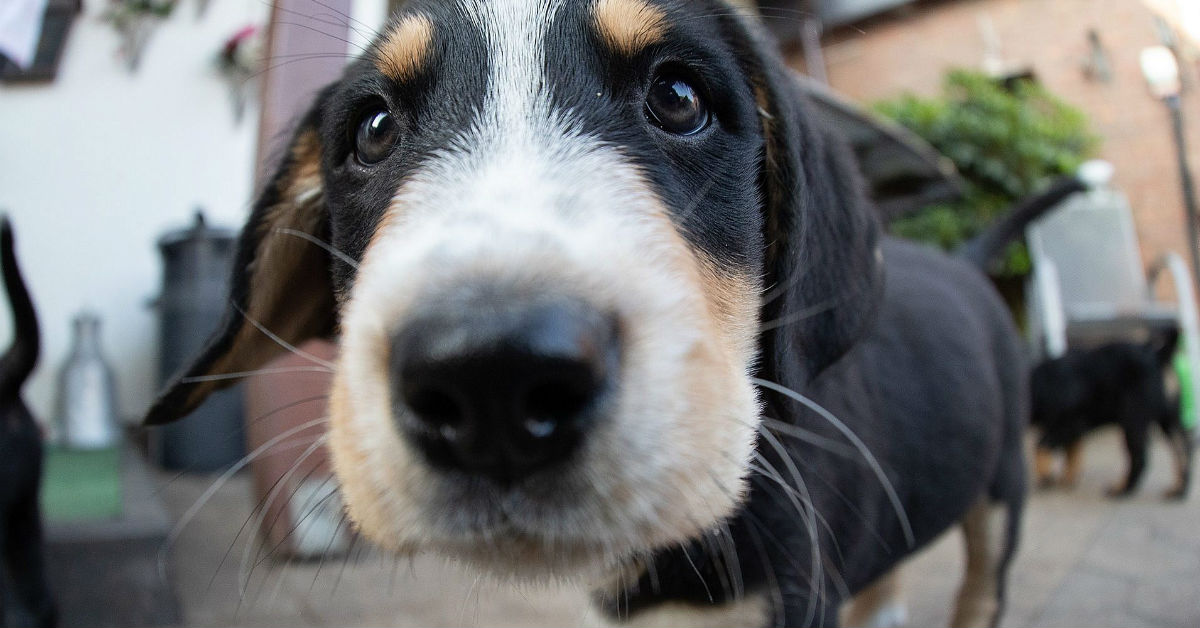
(529, 511)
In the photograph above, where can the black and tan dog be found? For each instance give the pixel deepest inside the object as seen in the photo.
(27, 601)
(1122, 384)
(612, 305)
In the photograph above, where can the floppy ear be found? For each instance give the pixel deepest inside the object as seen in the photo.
(281, 283)
(823, 271)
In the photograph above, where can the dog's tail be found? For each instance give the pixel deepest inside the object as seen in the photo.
(18, 362)
(987, 246)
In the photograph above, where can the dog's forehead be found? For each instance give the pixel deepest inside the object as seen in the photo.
(625, 27)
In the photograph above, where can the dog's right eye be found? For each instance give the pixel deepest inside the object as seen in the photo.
(377, 135)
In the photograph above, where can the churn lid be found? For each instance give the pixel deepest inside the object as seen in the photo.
(199, 231)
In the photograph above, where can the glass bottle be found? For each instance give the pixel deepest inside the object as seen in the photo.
(87, 403)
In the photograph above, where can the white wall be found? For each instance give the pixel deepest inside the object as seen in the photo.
(94, 166)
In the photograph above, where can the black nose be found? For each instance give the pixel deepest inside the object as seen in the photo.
(502, 389)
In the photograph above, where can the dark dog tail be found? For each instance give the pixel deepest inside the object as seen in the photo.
(22, 356)
(987, 246)
(1164, 346)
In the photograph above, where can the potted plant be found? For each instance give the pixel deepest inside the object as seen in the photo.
(1008, 139)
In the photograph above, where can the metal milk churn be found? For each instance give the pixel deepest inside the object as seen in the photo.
(195, 294)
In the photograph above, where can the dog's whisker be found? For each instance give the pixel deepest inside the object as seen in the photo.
(241, 530)
(309, 510)
(220, 482)
(835, 491)
(314, 29)
(197, 379)
(769, 571)
(796, 317)
(756, 528)
(281, 566)
(324, 19)
(259, 558)
(294, 58)
(807, 515)
(718, 565)
(688, 557)
(687, 210)
(348, 24)
(280, 341)
(243, 572)
(733, 562)
(321, 563)
(355, 544)
(329, 248)
(808, 436)
(285, 407)
(350, 19)
(858, 444)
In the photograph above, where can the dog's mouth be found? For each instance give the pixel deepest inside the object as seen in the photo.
(551, 525)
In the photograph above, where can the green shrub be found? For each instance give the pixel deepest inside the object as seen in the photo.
(1007, 140)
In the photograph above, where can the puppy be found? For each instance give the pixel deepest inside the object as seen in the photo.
(20, 461)
(1118, 384)
(612, 307)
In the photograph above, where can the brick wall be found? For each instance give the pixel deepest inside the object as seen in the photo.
(909, 50)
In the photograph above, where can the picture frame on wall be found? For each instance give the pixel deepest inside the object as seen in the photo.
(56, 26)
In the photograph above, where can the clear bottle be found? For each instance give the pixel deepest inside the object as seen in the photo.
(87, 402)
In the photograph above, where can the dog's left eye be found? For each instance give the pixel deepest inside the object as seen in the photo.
(377, 135)
(674, 106)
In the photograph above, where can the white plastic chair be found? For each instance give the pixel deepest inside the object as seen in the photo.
(1088, 285)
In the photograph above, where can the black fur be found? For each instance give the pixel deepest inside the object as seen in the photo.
(20, 460)
(1120, 384)
(912, 351)
(918, 356)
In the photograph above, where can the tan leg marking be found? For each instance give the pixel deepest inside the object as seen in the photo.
(1179, 451)
(1044, 466)
(1074, 464)
(405, 48)
(984, 531)
(881, 604)
(628, 26)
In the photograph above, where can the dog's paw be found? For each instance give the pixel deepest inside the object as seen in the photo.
(1118, 491)
(1177, 494)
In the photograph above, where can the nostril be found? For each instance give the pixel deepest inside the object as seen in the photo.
(552, 403)
(435, 406)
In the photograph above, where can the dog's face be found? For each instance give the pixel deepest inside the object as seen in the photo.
(552, 223)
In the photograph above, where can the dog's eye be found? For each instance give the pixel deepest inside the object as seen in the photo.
(675, 106)
(377, 134)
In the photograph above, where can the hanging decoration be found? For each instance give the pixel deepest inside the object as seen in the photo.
(240, 62)
(135, 21)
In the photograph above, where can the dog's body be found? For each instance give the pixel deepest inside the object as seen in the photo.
(941, 412)
(612, 306)
(1118, 384)
(20, 459)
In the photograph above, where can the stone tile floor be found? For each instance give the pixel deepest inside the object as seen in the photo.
(1085, 561)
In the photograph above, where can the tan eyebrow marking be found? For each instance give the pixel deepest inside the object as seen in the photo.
(405, 48)
(628, 26)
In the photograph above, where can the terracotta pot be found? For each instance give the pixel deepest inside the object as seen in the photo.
(299, 510)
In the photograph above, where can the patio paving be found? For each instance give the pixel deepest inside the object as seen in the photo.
(1085, 561)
